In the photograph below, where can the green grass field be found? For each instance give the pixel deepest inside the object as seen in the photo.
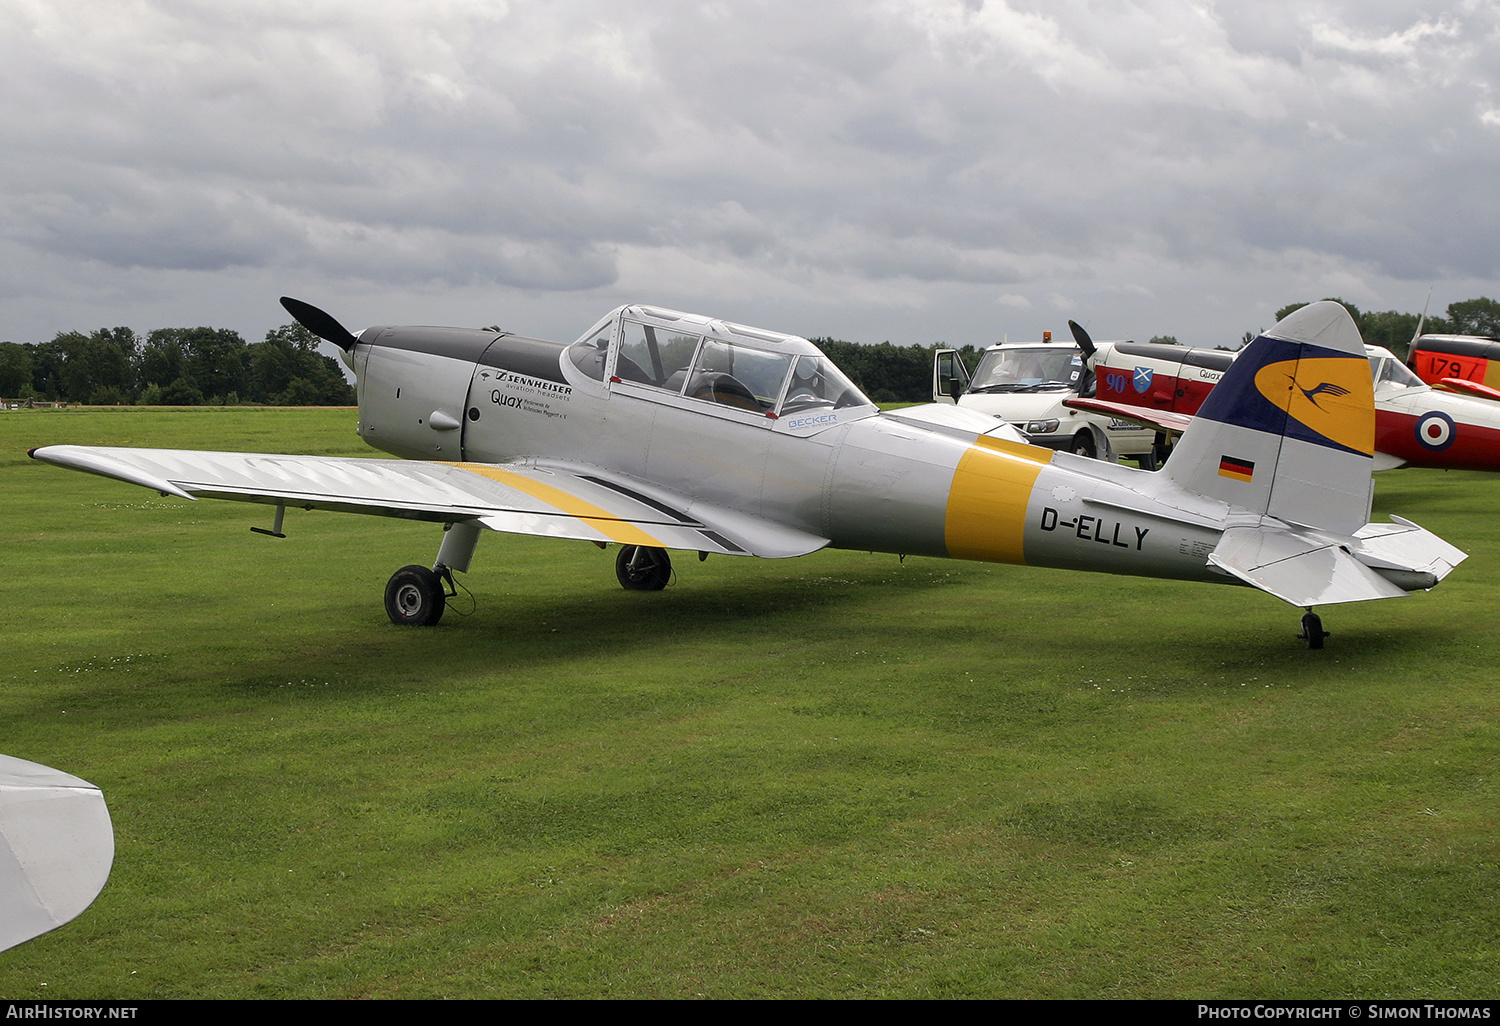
(833, 776)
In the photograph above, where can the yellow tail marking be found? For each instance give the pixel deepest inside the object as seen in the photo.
(603, 521)
(1327, 394)
(986, 516)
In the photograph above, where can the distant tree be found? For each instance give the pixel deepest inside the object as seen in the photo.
(15, 370)
(46, 369)
(288, 370)
(182, 392)
(1390, 329)
(1166, 340)
(1292, 307)
(110, 355)
(885, 372)
(299, 392)
(1393, 329)
(108, 395)
(214, 358)
(74, 365)
(1475, 317)
(160, 360)
(73, 381)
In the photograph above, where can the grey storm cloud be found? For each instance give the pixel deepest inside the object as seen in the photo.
(896, 167)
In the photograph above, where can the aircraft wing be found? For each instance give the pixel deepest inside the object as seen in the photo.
(1162, 420)
(530, 497)
(56, 847)
(1472, 388)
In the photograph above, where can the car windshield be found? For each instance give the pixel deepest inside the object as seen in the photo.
(1027, 370)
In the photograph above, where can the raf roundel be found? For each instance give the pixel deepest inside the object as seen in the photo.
(1435, 431)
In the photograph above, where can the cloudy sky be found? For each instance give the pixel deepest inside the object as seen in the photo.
(911, 170)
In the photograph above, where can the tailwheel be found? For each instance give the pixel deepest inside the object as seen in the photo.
(1312, 629)
(641, 568)
(414, 597)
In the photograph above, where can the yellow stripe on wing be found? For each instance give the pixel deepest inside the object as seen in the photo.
(603, 521)
(986, 517)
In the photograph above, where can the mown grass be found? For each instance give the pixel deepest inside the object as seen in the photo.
(834, 776)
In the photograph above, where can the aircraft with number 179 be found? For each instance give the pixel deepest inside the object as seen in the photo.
(659, 430)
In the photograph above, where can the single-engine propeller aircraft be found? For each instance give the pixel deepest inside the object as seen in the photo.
(1464, 363)
(658, 430)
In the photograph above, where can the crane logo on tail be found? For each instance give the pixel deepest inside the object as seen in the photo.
(1331, 398)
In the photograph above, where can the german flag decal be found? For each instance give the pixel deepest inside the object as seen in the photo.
(1236, 469)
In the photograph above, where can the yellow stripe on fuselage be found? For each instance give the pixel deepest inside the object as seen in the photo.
(603, 521)
(986, 516)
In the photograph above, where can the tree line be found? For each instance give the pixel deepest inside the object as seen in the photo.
(215, 366)
(1394, 330)
(174, 367)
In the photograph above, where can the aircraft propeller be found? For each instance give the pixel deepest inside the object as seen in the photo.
(1085, 385)
(1079, 335)
(319, 323)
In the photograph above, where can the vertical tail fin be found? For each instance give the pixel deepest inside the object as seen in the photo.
(1290, 429)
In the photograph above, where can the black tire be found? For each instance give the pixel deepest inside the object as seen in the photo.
(641, 568)
(1083, 445)
(414, 597)
(1312, 630)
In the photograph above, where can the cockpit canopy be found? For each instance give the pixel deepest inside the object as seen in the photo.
(715, 361)
(1389, 373)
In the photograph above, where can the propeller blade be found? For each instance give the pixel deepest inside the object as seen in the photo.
(1082, 338)
(1420, 321)
(319, 323)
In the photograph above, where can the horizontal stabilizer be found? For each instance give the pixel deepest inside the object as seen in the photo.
(1162, 420)
(1469, 388)
(56, 848)
(1308, 568)
(1402, 548)
(1304, 570)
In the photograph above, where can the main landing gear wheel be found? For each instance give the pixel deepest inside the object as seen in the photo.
(414, 597)
(1312, 630)
(641, 568)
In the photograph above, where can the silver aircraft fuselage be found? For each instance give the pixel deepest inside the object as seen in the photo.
(939, 481)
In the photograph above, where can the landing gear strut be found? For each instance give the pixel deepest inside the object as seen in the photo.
(641, 568)
(416, 596)
(1312, 629)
